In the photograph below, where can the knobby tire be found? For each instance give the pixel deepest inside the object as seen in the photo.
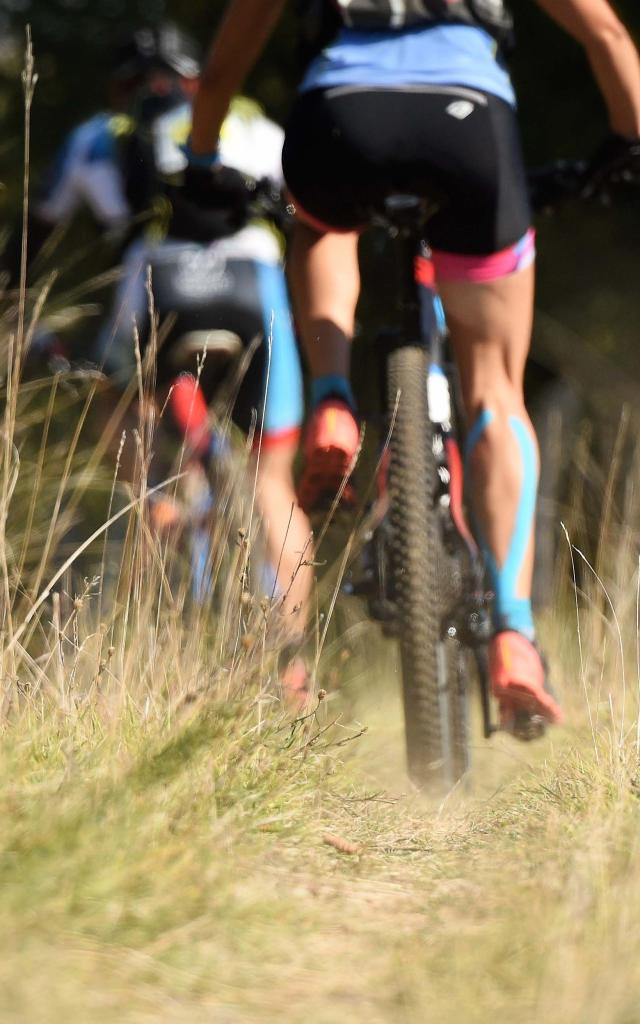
(425, 582)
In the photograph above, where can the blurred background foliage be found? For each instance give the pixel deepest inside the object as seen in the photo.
(589, 265)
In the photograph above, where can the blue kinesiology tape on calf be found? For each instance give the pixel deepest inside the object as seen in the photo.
(511, 611)
(332, 385)
(485, 418)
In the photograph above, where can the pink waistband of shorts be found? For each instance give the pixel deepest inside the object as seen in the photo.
(450, 266)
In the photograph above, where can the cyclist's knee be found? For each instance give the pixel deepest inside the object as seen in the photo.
(493, 389)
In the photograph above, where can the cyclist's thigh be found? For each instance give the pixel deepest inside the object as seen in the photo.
(348, 147)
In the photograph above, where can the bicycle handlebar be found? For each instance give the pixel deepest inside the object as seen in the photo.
(563, 180)
(198, 222)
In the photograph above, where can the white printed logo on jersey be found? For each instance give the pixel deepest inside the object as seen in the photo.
(461, 109)
(201, 272)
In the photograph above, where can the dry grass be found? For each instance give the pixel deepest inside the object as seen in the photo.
(174, 849)
(174, 870)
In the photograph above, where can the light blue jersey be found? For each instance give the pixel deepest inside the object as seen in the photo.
(431, 55)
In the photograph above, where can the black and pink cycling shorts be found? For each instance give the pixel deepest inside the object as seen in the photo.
(349, 147)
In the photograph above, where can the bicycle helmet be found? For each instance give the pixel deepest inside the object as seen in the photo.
(164, 48)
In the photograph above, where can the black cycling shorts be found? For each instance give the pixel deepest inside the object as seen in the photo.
(349, 147)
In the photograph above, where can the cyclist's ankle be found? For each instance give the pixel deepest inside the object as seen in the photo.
(332, 385)
(515, 617)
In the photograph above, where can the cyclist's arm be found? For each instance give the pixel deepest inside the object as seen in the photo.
(245, 29)
(612, 55)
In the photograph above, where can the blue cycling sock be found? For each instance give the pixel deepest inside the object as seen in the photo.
(332, 385)
(511, 611)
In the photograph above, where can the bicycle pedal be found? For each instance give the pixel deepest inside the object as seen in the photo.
(526, 727)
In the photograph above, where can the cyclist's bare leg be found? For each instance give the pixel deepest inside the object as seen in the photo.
(288, 532)
(491, 330)
(325, 281)
(490, 327)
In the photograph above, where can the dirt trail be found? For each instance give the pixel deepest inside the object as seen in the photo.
(190, 879)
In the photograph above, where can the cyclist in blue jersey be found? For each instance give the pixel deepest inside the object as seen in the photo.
(414, 96)
(116, 165)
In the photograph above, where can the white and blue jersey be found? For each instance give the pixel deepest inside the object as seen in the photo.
(87, 172)
(430, 55)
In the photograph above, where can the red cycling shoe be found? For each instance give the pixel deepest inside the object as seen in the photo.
(331, 441)
(519, 684)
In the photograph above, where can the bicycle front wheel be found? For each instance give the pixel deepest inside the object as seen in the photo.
(434, 688)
